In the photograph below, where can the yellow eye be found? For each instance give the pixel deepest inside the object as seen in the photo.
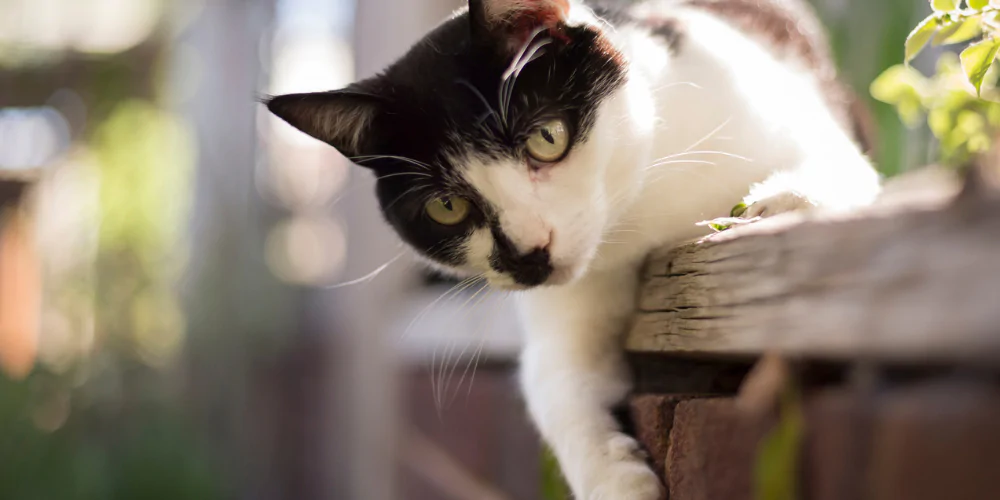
(549, 142)
(448, 210)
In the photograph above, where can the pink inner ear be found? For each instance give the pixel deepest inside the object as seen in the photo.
(520, 12)
(526, 16)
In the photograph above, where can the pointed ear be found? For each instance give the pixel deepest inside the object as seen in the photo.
(342, 119)
(517, 17)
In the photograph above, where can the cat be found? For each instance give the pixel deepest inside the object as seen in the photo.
(549, 145)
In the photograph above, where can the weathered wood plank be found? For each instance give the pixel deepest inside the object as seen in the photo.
(915, 280)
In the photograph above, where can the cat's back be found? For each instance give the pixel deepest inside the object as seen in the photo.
(789, 28)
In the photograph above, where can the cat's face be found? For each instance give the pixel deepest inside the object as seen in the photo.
(488, 140)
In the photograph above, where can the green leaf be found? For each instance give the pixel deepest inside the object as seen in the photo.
(738, 210)
(553, 485)
(959, 32)
(776, 467)
(920, 36)
(978, 4)
(902, 87)
(719, 227)
(944, 5)
(977, 59)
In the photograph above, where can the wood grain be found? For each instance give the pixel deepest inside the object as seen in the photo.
(915, 279)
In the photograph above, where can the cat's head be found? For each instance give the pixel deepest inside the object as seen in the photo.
(488, 139)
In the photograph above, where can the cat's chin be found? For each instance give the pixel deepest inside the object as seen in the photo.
(560, 276)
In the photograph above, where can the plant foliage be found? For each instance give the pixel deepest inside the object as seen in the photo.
(960, 101)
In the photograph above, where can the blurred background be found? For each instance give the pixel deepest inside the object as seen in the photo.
(168, 327)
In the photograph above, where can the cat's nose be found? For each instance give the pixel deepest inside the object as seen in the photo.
(531, 269)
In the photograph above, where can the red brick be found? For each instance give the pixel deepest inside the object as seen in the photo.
(712, 450)
(934, 443)
(836, 446)
(652, 418)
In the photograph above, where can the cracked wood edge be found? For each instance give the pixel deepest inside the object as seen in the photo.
(918, 280)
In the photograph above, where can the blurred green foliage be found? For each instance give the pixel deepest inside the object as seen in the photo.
(960, 100)
(49, 451)
(553, 485)
(106, 423)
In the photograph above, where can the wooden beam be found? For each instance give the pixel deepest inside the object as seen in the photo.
(913, 280)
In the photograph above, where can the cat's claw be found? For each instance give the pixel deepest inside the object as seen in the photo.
(778, 204)
(626, 476)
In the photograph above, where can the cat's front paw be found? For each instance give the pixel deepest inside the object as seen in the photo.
(773, 205)
(625, 476)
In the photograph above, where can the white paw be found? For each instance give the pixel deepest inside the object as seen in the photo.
(777, 204)
(625, 476)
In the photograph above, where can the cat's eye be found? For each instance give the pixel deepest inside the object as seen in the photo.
(448, 210)
(549, 142)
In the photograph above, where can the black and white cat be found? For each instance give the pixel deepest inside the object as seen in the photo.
(549, 145)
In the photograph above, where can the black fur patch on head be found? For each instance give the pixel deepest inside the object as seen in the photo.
(447, 100)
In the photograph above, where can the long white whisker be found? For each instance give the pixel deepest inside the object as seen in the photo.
(457, 288)
(478, 94)
(436, 370)
(368, 277)
(520, 53)
(458, 359)
(405, 193)
(676, 84)
(406, 174)
(506, 84)
(672, 162)
(706, 152)
(361, 158)
(529, 56)
(479, 351)
(710, 134)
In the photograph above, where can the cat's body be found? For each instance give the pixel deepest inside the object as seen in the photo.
(666, 118)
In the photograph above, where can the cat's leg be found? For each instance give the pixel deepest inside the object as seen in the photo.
(832, 177)
(573, 372)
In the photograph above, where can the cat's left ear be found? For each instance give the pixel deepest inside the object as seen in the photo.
(517, 17)
(343, 118)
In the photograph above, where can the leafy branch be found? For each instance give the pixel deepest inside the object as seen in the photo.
(960, 100)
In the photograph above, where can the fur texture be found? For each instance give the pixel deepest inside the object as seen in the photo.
(676, 113)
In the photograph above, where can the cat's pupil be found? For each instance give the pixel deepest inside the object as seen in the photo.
(547, 135)
(446, 203)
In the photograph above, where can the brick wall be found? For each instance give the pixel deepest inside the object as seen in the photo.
(935, 439)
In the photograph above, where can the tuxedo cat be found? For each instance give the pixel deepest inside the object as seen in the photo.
(548, 145)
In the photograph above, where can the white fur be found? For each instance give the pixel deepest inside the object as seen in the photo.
(730, 121)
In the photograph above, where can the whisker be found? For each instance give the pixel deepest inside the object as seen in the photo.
(457, 288)
(676, 84)
(477, 93)
(362, 158)
(368, 277)
(405, 174)
(446, 360)
(706, 152)
(413, 189)
(507, 83)
(710, 134)
(461, 355)
(434, 369)
(479, 351)
(674, 162)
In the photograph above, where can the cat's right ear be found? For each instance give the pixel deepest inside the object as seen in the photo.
(342, 119)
